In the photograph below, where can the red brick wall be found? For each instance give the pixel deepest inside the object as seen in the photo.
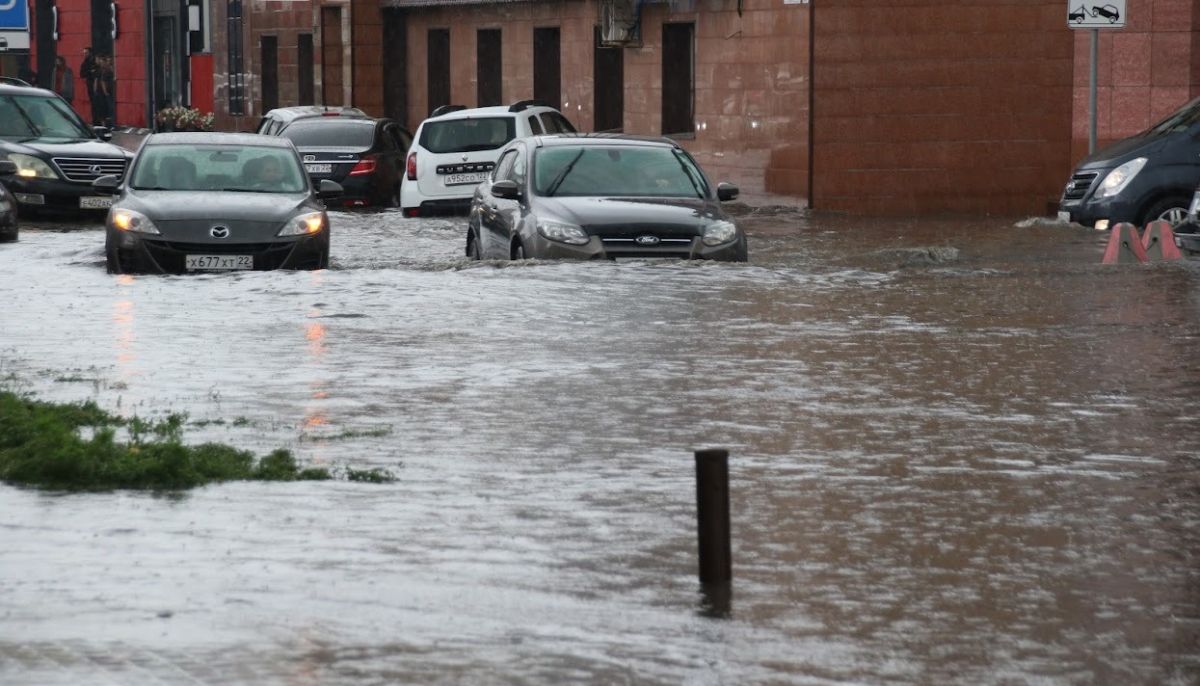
(367, 56)
(1145, 71)
(285, 21)
(934, 106)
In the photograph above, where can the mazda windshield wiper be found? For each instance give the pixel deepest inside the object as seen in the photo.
(562, 175)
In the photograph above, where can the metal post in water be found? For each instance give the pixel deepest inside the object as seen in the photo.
(712, 511)
(1092, 92)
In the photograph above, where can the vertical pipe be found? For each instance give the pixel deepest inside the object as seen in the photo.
(712, 511)
(1092, 92)
(812, 98)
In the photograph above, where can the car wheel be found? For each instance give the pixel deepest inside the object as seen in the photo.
(1173, 209)
(518, 251)
(473, 251)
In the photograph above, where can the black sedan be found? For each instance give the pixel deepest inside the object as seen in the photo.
(364, 155)
(601, 196)
(216, 202)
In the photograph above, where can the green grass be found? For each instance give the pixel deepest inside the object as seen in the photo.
(75, 447)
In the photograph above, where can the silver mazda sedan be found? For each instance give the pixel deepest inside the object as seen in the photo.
(202, 202)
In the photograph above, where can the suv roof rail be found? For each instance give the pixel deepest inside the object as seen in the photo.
(525, 104)
(446, 109)
(13, 81)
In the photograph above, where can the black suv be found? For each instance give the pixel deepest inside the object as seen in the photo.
(57, 155)
(1142, 178)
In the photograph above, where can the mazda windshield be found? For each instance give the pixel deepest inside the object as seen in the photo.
(219, 168)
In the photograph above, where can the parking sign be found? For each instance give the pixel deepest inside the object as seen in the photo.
(14, 25)
(1084, 14)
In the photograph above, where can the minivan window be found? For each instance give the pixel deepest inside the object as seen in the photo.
(1181, 120)
(465, 135)
(332, 133)
(31, 116)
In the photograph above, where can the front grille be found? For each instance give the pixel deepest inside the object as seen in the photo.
(1080, 185)
(220, 248)
(87, 169)
(629, 247)
(169, 255)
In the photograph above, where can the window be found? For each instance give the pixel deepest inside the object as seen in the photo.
(237, 64)
(465, 135)
(488, 70)
(219, 168)
(617, 170)
(270, 72)
(304, 53)
(608, 94)
(556, 123)
(547, 85)
(678, 79)
(504, 166)
(535, 126)
(437, 65)
(339, 134)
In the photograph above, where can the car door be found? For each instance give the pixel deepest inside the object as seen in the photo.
(508, 212)
(493, 242)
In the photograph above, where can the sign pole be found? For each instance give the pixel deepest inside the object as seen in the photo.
(1092, 92)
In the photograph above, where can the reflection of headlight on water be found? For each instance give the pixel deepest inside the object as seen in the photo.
(719, 232)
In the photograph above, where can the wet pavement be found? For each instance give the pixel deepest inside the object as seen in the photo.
(974, 464)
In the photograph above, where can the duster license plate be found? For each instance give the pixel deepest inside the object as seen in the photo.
(206, 263)
(459, 179)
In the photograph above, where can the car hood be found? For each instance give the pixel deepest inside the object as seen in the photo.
(1124, 150)
(189, 216)
(81, 147)
(689, 215)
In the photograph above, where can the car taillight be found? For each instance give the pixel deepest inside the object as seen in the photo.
(412, 166)
(365, 166)
(412, 211)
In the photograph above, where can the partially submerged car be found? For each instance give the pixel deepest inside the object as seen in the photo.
(601, 196)
(216, 202)
(363, 154)
(1142, 178)
(8, 206)
(1187, 235)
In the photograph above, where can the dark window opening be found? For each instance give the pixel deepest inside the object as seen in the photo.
(237, 64)
(678, 79)
(488, 71)
(304, 55)
(608, 94)
(270, 72)
(437, 65)
(395, 55)
(547, 57)
(332, 91)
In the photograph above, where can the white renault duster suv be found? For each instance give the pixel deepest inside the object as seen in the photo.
(456, 148)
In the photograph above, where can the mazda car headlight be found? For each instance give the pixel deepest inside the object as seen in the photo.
(562, 232)
(719, 232)
(129, 220)
(1119, 178)
(30, 167)
(305, 224)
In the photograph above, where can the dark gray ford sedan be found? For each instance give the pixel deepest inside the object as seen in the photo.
(202, 202)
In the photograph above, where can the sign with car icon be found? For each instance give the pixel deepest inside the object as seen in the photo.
(1082, 14)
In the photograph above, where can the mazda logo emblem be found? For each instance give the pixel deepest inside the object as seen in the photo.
(646, 240)
(219, 232)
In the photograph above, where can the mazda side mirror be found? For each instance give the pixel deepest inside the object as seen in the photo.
(107, 184)
(7, 168)
(102, 132)
(509, 190)
(726, 191)
(329, 189)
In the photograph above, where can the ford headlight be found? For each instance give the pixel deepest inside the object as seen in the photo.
(305, 224)
(562, 232)
(719, 232)
(30, 167)
(129, 220)
(1119, 178)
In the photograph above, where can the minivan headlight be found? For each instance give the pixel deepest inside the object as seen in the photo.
(562, 232)
(1119, 178)
(129, 220)
(304, 224)
(719, 232)
(30, 167)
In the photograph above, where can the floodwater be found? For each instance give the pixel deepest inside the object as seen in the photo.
(982, 470)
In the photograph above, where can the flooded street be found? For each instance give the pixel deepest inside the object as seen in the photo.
(978, 466)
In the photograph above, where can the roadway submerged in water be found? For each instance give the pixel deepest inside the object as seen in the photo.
(961, 451)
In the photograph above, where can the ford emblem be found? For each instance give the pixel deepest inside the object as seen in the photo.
(219, 232)
(646, 239)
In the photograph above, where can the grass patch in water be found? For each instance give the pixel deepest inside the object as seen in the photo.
(75, 447)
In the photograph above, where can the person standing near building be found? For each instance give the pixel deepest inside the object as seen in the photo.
(62, 79)
(106, 91)
(88, 72)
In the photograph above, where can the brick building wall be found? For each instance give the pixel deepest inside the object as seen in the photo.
(1145, 71)
(285, 21)
(366, 56)
(942, 106)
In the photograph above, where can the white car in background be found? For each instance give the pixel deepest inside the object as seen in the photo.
(456, 148)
